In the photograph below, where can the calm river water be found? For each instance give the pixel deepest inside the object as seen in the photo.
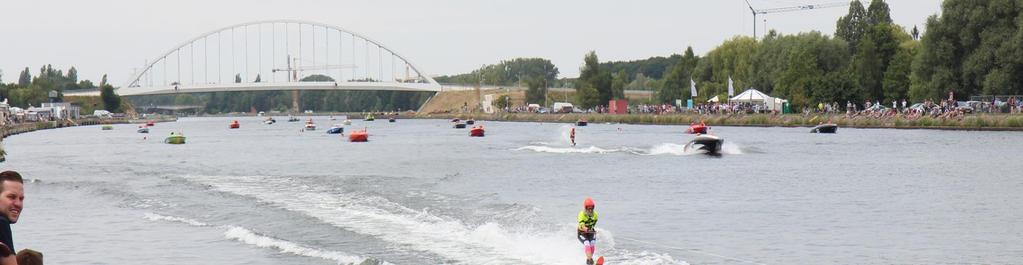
(421, 192)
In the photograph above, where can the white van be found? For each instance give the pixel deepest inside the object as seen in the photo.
(562, 107)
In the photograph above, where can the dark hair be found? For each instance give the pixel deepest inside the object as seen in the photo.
(9, 175)
(29, 257)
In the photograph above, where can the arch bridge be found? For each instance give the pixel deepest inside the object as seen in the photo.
(276, 55)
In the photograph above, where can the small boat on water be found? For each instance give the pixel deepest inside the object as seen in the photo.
(456, 120)
(359, 136)
(107, 127)
(476, 131)
(292, 118)
(581, 122)
(348, 122)
(336, 129)
(710, 143)
(459, 125)
(370, 117)
(470, 121)
(309, 125)
(332, 118)
(269, 120)
(825, 128)
(143, 129)
(697, 128)
(234, 125)
(175, 139)
(150, 123)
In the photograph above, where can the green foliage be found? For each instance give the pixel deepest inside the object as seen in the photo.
(536, 91)
(676, 84)
(317, 78)
(618, 83)
(975, 47)
(111, 101)
(896, 78)
(653, 67)
(851, 27)
(507, 73)
(733, 58)
(878, 13)
(502, 101)
(25, 78)
(593, 88)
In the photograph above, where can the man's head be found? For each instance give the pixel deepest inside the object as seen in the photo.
(12, 195)
(29, 257)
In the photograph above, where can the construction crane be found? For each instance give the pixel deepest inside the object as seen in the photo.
(293, 70)
(787, 9)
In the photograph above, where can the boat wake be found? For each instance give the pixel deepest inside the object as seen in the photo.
(247, 236)
(451, 237)
(670, 149)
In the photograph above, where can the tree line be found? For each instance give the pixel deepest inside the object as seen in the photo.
(32, 90)
(973, 48)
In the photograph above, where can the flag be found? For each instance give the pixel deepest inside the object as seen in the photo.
(731, 89)
(692, 87)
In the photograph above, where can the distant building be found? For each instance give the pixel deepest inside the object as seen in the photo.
(62, 110)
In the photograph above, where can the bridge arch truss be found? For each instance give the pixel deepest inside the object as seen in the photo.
(274, 53)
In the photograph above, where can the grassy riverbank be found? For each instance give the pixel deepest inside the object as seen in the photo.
(994, 122)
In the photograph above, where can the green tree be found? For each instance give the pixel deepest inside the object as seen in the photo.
(676, 83)
(111, 101)
(593, 88)
(896, 78)
(25, 78)
(851, 27)
(72, 75)
(878, 13)
(973, 48)
(535, 92)
(618, 83)
(868, 70)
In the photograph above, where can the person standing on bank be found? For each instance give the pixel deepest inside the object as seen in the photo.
(12, 197)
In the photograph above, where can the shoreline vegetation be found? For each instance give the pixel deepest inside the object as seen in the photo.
(977, 122)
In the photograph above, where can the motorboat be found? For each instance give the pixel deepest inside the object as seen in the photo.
(370, 117)
(581, 122)
(359, 136)
(150, 123)
(269, 120)
(697, 128)
(476, 131)
(309, 125)
(332, 118)
(456, 120)
(143, 129)
(292, 118)
(175, 139)
(336, 129)
(348, 122)
(470, 121)
(459, 125)
(234, 125)
(107, 127)
(825, 128)
(710, 143)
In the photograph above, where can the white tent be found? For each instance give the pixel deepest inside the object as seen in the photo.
(752, 96)
(714, 99)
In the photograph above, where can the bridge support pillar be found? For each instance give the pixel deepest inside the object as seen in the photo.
(294, 102)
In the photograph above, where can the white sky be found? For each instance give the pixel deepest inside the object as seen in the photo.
(441, 37)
